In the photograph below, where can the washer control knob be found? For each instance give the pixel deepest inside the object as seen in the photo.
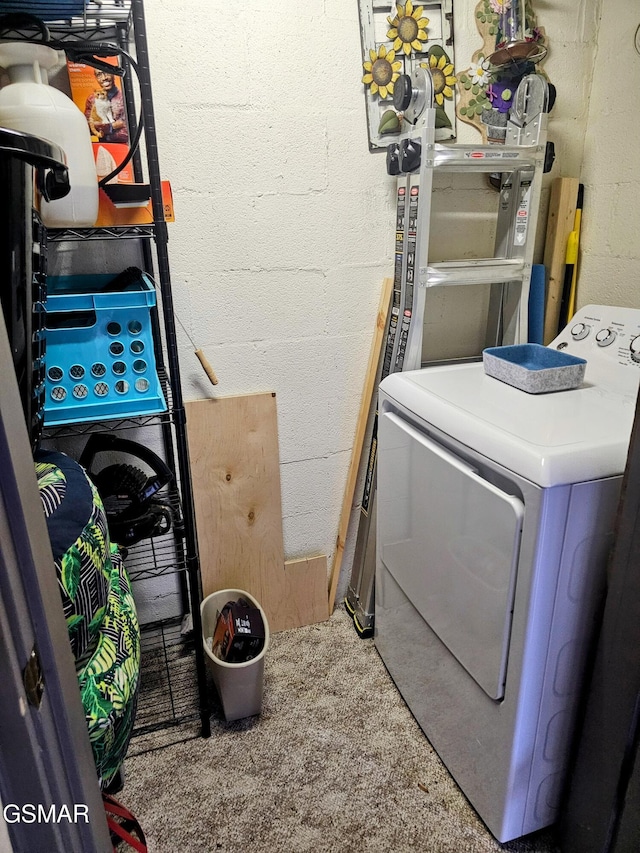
(634, 346)
(605, 337)
(580, 331)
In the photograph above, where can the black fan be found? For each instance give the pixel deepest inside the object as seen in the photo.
(130, 496)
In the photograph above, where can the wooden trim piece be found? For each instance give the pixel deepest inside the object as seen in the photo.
(306, 585)
(363, 417)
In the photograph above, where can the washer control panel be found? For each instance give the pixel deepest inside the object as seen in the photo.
(609, 339)
(580, 331)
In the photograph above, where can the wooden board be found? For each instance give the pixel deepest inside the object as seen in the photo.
(306, 591)
(363, 417)
(235, 469)
(562, 211)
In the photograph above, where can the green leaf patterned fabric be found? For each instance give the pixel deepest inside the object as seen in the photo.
(109, 675)
(98, 606)
(83, 566)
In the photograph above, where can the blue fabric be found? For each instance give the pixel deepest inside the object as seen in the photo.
(98, 606)
(535, 356)
(536, 304)
(67, 520)
(46, 10)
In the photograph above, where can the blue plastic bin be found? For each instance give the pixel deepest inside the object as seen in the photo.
(100, 361)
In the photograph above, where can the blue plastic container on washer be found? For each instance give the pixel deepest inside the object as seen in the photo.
(100, 362)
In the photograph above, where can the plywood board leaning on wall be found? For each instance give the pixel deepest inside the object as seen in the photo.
(562, 211)
(235, 468)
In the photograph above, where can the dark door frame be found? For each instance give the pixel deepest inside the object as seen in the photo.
(602, 814)
(45, 754)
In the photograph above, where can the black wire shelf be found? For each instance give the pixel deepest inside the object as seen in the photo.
(168, 702)
(114, 232)
(160, 555)
(175, 695)
(100, 21)
(115, 425)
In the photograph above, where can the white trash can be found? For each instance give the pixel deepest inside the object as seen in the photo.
(239, 685)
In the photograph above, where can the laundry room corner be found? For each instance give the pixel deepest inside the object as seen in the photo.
(282, 237)
(320, 345)
(284, 144)
(610, 247)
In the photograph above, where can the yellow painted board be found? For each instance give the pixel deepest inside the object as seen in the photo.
(560, 220)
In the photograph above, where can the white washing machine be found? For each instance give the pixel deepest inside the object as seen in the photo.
(496, 511)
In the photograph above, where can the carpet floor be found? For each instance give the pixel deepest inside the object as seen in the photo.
(335, 762)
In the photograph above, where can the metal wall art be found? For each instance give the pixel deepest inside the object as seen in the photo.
(513, 46)
(396, 39)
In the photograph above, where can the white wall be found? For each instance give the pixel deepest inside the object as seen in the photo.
(610, 244)
(283, 229)
(284, 221)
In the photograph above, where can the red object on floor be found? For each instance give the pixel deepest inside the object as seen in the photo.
(122, 823)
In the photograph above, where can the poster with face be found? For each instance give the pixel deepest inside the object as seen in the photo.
(98, 93)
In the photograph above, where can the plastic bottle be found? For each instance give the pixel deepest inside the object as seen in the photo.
(29, 104)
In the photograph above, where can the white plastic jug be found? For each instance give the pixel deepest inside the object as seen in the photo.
(29, 104)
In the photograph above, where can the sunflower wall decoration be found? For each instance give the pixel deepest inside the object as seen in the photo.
(396, 39)
(485, 94)
(408, 28)
(381, 71)
(441, 69)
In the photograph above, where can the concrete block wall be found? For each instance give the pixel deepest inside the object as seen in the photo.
(610, 243)
(284, 220)
(283, 229)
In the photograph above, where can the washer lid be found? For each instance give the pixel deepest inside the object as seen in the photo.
(563, 437)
